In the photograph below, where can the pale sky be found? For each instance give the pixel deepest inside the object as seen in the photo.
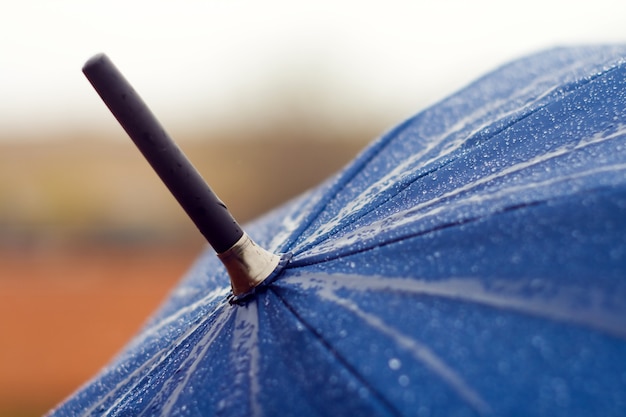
(217, 63)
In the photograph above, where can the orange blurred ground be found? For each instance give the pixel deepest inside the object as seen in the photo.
(64, 312)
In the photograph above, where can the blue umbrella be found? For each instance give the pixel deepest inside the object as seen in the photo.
(471, 261)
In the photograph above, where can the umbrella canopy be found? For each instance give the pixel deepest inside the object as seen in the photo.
(471, 261)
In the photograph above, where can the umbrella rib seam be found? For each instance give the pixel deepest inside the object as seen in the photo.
(302, 262)
(299, 263)
(339, 357)
(345, 177)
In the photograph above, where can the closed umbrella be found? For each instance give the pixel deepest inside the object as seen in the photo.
(471, 261)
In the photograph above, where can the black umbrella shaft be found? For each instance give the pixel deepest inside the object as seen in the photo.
(207, 211)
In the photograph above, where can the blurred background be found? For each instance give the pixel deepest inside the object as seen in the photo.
(267, 98)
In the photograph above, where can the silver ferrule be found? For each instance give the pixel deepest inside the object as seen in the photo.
(247, 264)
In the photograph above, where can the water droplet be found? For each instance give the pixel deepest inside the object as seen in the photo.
(403, 380)
(394, 364)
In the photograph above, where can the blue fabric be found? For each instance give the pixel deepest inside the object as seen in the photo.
(472, 261)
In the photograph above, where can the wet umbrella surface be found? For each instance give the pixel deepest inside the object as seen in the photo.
(472, 261)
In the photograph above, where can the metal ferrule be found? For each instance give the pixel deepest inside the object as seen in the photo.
(247, 264)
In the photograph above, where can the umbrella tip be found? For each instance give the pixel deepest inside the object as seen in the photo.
(249, 266)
